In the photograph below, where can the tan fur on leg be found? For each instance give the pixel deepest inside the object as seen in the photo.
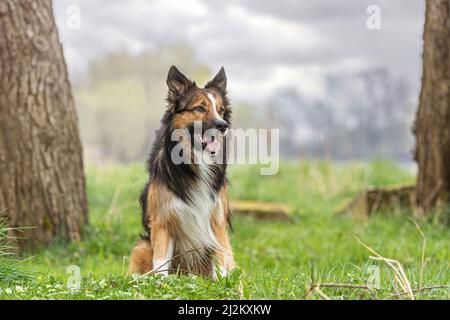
(162, 249)
(224, 255)
(141, 260)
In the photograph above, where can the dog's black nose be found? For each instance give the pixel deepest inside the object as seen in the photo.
(220, 124)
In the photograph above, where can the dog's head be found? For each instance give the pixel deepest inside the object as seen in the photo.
(204, 112)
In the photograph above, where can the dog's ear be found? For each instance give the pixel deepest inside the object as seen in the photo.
(178, 83)
(219, 81)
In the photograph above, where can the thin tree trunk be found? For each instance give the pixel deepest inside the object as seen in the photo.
(42, 182)
(432, 126)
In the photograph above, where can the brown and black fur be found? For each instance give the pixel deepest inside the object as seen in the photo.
(171, 183)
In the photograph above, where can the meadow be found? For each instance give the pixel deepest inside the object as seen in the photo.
(276, 260)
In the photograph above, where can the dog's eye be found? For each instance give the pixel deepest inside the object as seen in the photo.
(200, 109)
(222, 110)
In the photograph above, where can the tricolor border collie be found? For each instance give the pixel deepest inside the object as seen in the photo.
(185, 208)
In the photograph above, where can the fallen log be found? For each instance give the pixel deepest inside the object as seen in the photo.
(371, 200)
(259, 210)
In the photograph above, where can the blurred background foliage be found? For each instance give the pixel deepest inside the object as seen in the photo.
(363, 115)
(336, 89)
(121, 99)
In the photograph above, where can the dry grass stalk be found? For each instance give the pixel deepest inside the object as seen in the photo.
(317, 286)
(399, 274)
(424, 246)
(321, 294)
(421, 289)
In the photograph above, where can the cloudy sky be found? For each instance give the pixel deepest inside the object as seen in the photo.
(263, 45)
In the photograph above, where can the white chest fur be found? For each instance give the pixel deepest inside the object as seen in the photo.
(194, 217)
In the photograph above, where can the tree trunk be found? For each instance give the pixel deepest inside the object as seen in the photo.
(41, 168)
(432, 126)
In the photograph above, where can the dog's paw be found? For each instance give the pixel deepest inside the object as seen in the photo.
(219, 272)
(161, 267)
(163, 274)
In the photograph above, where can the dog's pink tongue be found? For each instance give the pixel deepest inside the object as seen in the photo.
(213, 146)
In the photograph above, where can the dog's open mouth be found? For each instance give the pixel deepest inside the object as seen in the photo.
(211, 144)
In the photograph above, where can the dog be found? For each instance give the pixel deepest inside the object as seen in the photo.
(185, 209)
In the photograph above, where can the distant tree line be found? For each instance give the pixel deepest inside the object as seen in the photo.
(361, 116)
(121, 98)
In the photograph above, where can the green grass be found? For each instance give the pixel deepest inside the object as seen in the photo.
(10, 267)
(276, 260)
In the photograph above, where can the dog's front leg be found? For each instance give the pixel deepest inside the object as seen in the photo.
(162, 249)
(224, 254)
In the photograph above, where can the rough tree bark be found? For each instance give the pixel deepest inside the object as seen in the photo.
(432, 127)
(41, 168)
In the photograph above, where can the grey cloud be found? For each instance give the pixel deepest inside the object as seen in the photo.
(220, 39)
